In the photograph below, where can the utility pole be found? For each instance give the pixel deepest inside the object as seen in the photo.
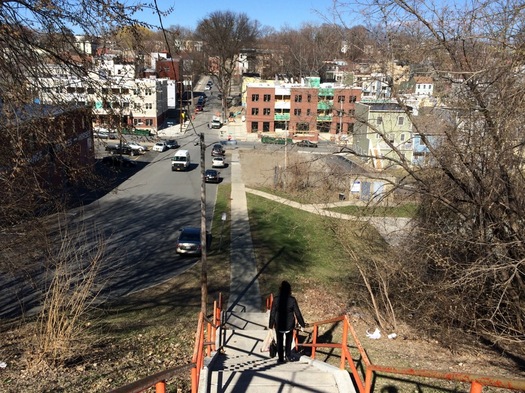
(204, 240)
(181, 114)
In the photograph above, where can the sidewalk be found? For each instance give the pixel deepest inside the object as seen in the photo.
(245, 295)
(239, 365)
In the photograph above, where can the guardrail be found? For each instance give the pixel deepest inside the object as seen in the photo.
(365, 385)
(160, 380)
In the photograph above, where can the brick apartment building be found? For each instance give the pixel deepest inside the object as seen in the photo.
(303, 111)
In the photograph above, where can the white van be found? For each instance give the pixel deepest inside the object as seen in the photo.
(181, 160)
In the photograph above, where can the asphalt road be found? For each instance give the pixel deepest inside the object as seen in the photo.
(135, 226)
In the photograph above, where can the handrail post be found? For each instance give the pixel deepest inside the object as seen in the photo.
(314, 341)
(369, 374)
(344, 341)
(160, 387)
(476, 387)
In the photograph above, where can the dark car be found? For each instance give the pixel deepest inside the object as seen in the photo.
(118, 162)
(217, 150)
(306, 143)
(121, 149)
(199, 108)
(189, 241)
(212, 176)
(172, 144)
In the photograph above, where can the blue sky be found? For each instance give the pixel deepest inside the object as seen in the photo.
(274, 13)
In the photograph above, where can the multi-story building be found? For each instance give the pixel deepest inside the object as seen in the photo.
(116, 98)
(379, 126)
(309, 110)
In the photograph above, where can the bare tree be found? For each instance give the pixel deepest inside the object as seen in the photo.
(466, 267)
(224, 35)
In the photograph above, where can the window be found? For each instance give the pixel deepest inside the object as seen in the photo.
(148, 105)
(255, 126)
(308, 112)
(338, 128)
(255, 111)
(266, 111)
(309, 97)
(379, 120)
(255, 97)
(149, 122)
(350, 128)
(340, 98)
(402, 137)
(266, 126)
(297, 112)
(298, 98)
(302, 127)
(267, 98)
(353, 99)
(391, 138)
(149, 92)
(400, 120)
(351, 112)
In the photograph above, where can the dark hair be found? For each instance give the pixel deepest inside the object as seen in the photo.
(286, 289)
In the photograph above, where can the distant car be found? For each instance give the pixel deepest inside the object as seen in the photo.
(120, 148)
(160, 146)
(306, 143)
(212, 176)
(217, 150)
(207, 87)
(218, 162)
(118, 162)
(138, 147)
(171, 122)
(217, 124)
(172, 144)
(199, 108)
(189, 241)
(210, 83)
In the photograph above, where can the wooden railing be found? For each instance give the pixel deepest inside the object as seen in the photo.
(364, 383)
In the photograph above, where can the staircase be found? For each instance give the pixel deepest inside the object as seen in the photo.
(241, 366)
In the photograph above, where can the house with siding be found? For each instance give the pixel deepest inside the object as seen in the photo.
(381, 129)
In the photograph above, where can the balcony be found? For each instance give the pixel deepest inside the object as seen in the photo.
(324, 118)
(281, 117)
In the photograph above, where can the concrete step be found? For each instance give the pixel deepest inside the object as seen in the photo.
(272, 377)
(247, 320)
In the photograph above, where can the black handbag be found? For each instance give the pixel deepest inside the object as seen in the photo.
(273, 349)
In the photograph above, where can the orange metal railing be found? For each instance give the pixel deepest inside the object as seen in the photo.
(159, 380)
(477, 382)
(365, 385)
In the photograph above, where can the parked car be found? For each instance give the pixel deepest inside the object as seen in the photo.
(212, 176)
(189, 241)
(207, 87)
(172, 144)
(120, 148)
(217, 150)
(138, 147)
(118, 162)
(160, 146)
(199, 107)
(218, 162)
(306, 143)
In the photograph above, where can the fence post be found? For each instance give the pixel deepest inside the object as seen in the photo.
(344, 342)
(476, 387)
(160, 387)
(314, 341)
